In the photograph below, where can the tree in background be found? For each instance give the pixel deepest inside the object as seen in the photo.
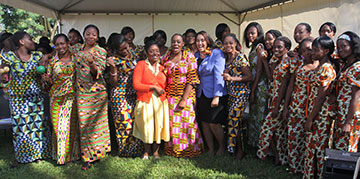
(14, 19)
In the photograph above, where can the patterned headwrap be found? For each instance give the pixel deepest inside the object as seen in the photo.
(344, 37)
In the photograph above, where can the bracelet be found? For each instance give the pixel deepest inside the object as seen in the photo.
(113, 74)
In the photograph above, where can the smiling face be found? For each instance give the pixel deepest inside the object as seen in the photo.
(279, 49)
(343, 48)
(73, 38)
(229, 44)
(177, 44)
(252, 34)
(91, 36)
(269, 41)
(318, 52)
(300, 33)
(201, 43)
(129, 37)
(326, 31)
(123, 50)
(153, 53)
(190, 38)
(61, 46)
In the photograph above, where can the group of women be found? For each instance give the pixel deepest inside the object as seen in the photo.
(301, 101)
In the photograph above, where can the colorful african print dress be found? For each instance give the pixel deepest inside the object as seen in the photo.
(259, 108)
(276, 126)
(63, 111)
(185, 138)
(92, 105)
(31, 133)
(123, 100)
(317, 139)
(137, 51)
(238, 98)
(297, 112)
(348, 78)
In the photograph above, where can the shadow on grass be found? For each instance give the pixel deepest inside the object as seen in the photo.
(250, 166)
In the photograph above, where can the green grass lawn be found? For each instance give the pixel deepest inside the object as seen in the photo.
(167, 167)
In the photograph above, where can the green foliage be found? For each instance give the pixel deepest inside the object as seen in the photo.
(113, 166)
(14, 19)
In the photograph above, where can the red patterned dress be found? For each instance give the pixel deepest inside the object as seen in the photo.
(297, 112)
(185, 138)
(317, 140)
(276, 126)
(347, 80)
(123, 100)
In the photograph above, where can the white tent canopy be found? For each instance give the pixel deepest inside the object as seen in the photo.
(175, 16)
(139, 6)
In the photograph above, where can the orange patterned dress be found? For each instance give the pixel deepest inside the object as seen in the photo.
(297, 112)
(348, 79)
(317, 139)
(276, 126)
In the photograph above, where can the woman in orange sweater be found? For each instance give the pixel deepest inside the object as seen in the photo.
(151, 124)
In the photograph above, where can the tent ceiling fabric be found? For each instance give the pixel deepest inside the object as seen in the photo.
(151, 6)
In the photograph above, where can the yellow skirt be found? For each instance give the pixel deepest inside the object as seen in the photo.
(151, 122)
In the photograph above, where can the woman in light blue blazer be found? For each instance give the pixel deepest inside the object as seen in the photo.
(211, 91)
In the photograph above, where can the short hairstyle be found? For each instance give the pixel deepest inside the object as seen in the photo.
(190, 31)
(161, 33)
(307, 26)
(233, 36)
(307, 39)
(127, 29)
(287, 41)
(220, 29)
(60, 35)
(150, 43)
(177, 34)
(3, 37)
(47, 48)
(92, 26)
(330, 24)
(110, 38)
(77, 33)
(44, 40)
(274, 32)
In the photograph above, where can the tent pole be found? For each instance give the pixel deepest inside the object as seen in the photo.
(153, 23)
(234, 22)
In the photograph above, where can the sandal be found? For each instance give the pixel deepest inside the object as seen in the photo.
(157, 156)
(86, 166)
(145, 157)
